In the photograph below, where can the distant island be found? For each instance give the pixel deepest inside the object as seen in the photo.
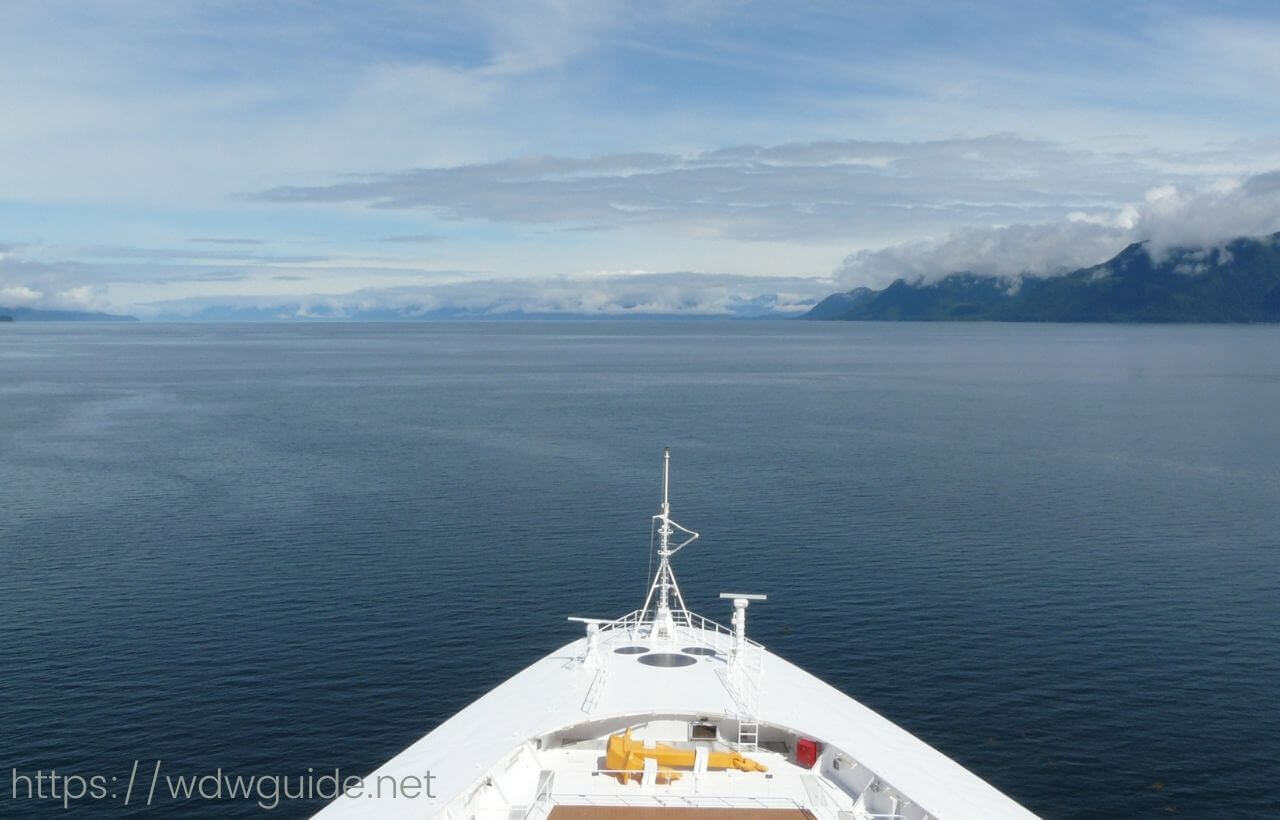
(21, 314)
(1235, 282)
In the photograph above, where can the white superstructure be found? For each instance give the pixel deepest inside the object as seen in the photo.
(701, 709)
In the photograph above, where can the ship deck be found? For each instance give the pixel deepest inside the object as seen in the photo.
(665, 813)
(664, 713)
(786, 790)
(538, 741)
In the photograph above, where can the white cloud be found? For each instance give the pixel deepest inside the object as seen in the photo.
(850, 189)
(19, 296)
(1171, 217)
(1166, 217)
(1042, 250)
(82, 297)
(48, 286)
(599, 295)
(534, 138)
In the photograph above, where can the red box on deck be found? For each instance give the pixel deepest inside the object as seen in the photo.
(806, 752)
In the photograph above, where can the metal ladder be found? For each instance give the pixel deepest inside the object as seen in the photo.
(744, 687)
(742, 677)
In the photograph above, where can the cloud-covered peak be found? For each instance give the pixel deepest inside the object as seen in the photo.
(1165, 217)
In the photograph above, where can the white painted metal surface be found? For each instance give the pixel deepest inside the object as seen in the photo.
(537, 740)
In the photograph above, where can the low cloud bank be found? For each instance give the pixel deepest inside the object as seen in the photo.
(27, 284)
(1181, 215)
(608, 296)
(1167, 217)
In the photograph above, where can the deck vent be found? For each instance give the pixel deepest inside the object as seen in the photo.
(667, 659)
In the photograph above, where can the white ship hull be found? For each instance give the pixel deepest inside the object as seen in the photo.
(690, 691)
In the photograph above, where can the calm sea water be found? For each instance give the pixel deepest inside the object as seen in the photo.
(1053, 552)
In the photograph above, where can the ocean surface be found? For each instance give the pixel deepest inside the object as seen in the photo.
(1053, 552)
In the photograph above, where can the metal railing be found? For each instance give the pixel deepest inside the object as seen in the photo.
(639, 623)
(542, 797)
(741, 675)
(670, 800)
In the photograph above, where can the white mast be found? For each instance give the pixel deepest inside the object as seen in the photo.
(664, 581)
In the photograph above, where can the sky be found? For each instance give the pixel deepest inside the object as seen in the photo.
(339, 158)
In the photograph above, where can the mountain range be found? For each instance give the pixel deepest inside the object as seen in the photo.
(24, 314)
(1238, 281)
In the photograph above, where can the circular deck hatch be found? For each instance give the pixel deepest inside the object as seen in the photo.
(631, 650)
(667, 659)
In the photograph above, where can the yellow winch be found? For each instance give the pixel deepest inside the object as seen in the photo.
(626, 754)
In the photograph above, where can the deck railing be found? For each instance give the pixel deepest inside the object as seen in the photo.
(639, 622)
(670, 800)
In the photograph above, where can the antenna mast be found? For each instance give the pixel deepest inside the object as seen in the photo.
(664, 582)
